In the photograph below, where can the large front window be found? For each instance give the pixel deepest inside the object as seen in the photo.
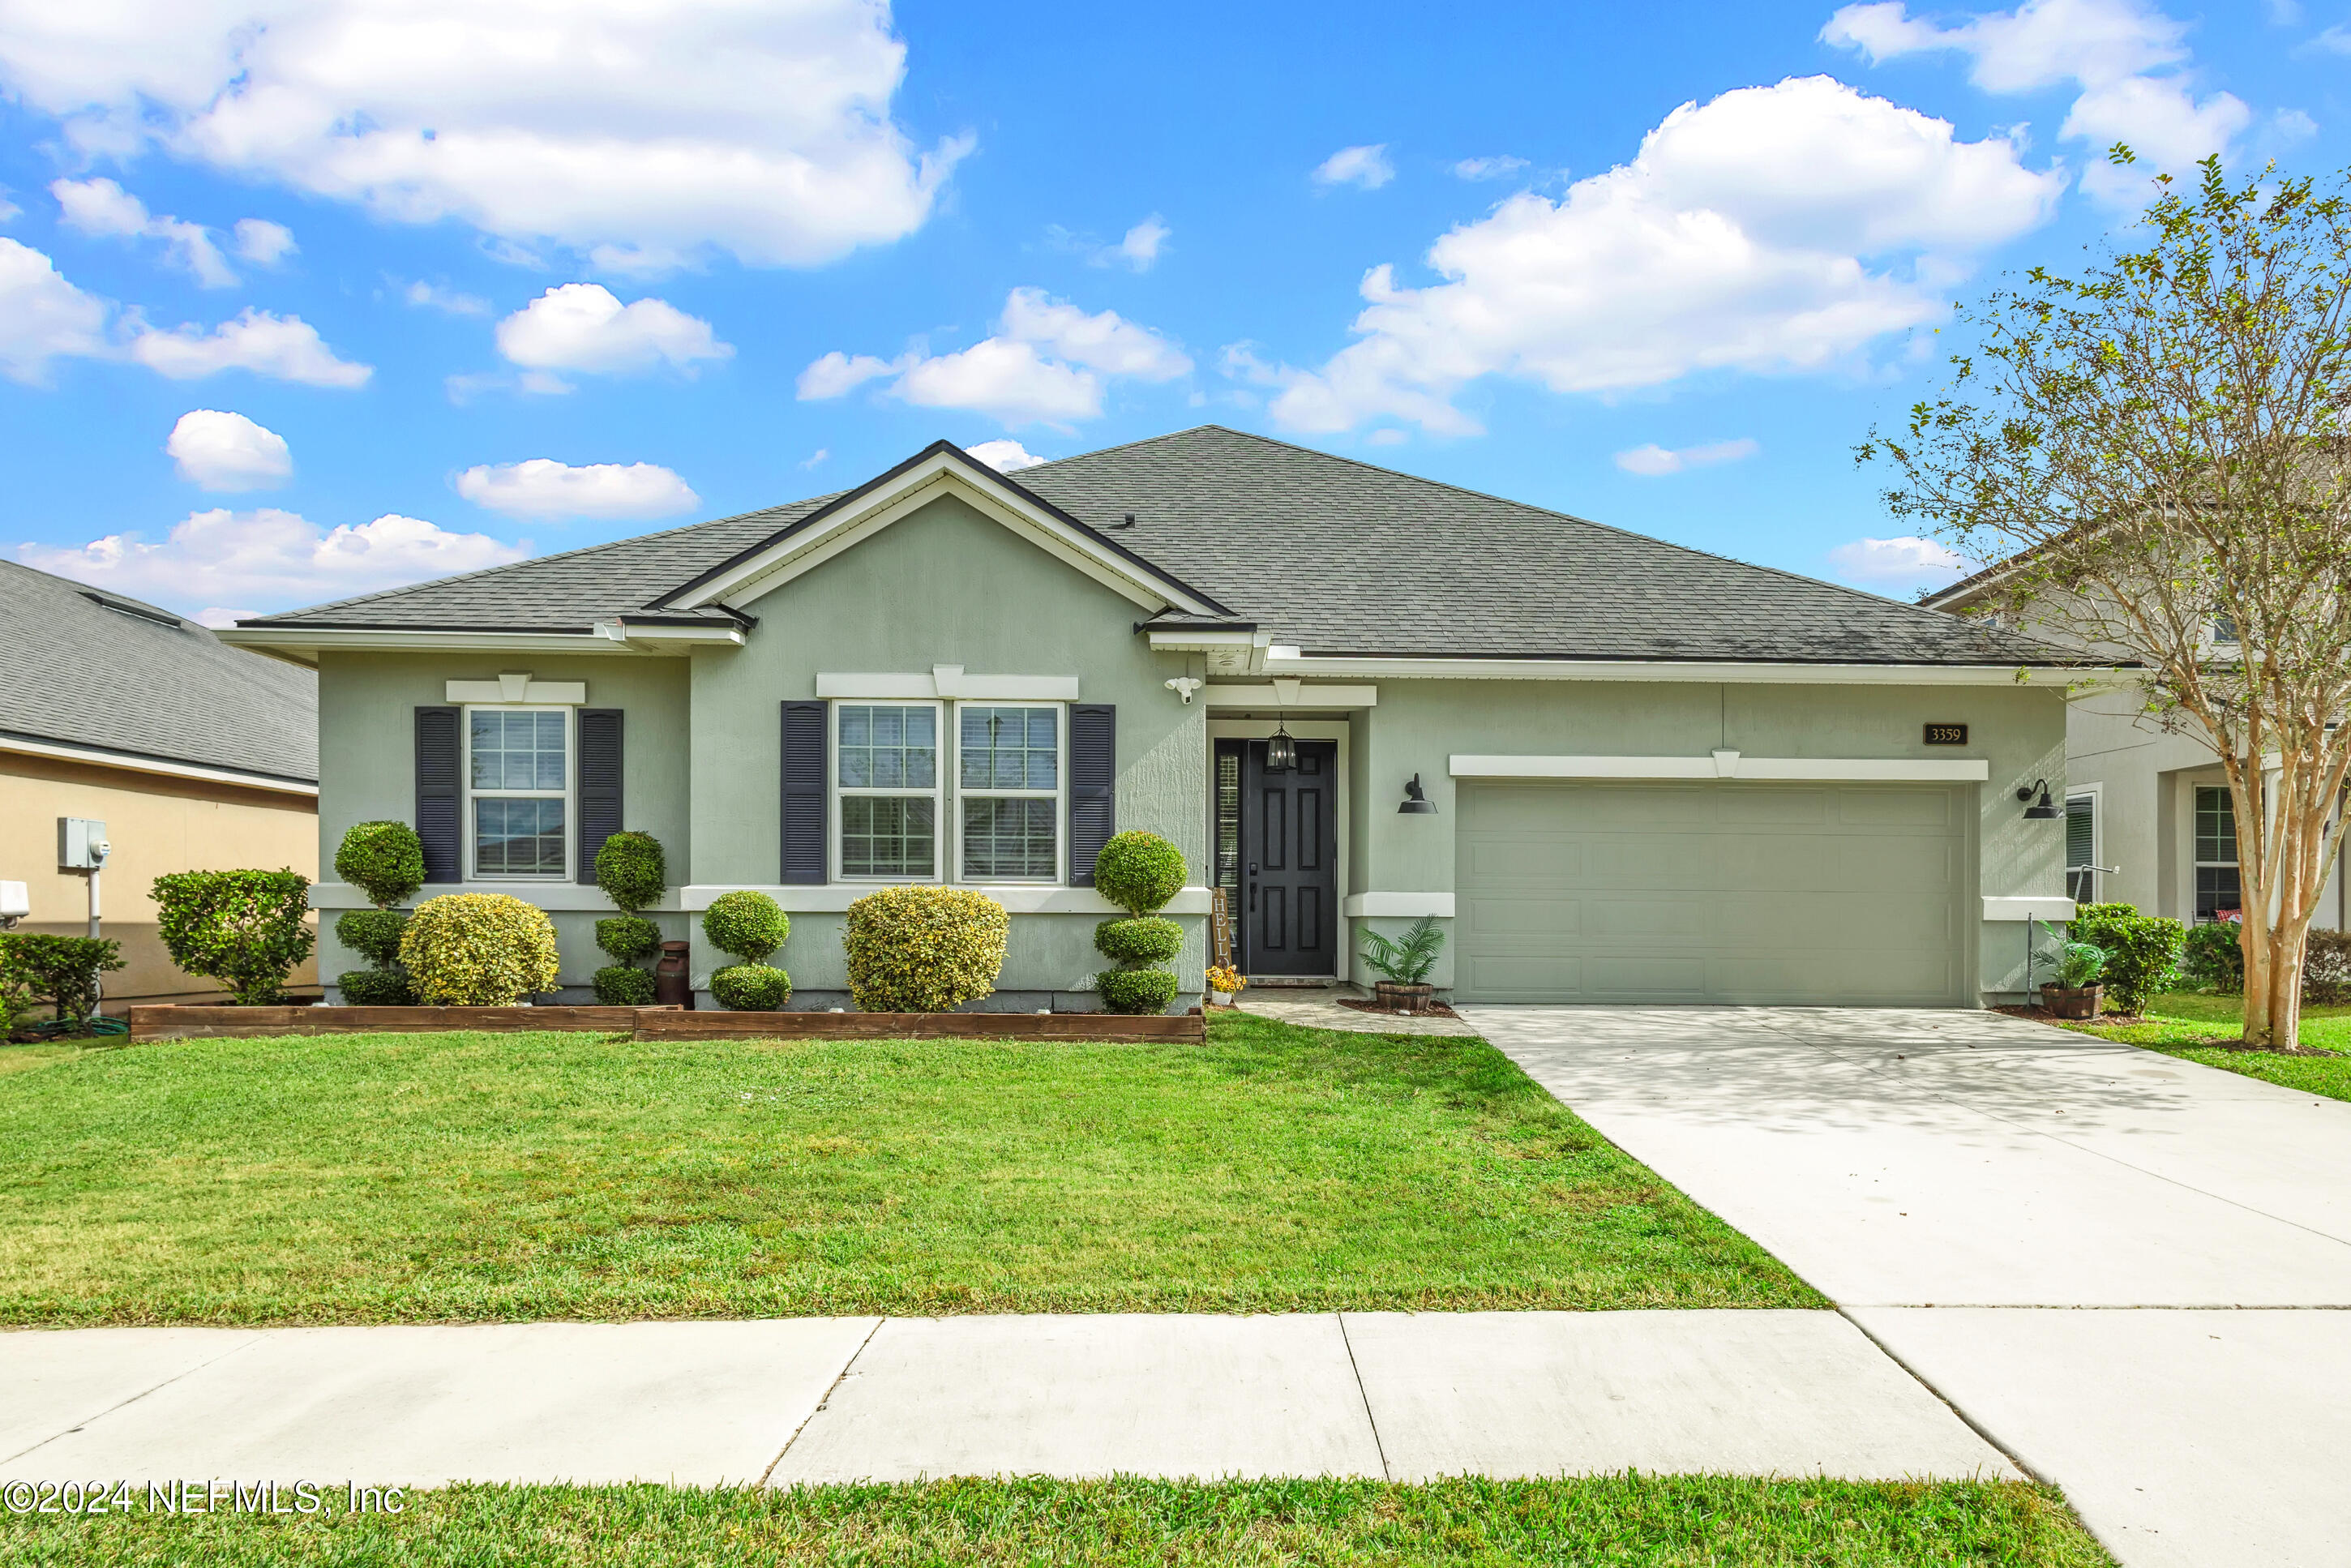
(888, 777)
(2216, 853)
(518, 778)
(1009, 784)
(928, 791)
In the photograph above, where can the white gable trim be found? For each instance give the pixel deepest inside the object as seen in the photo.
(941, 473)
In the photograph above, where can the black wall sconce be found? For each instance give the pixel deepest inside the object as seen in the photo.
(1416, 804)
(2040, 810)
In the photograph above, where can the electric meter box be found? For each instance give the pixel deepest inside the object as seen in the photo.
(81, 843)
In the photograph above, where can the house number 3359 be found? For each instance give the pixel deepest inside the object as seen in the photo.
(1947, 735)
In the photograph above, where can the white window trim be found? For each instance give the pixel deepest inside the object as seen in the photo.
(2196, 864)
(942, 758)
(569, 794)
(1059, 795)
(2096, 796)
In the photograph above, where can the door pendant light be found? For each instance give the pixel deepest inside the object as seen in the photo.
(1280, 751)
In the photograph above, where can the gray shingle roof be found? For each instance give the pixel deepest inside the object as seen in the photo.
(1334, 556)
(81, 675)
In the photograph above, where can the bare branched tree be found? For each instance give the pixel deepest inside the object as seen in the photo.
(2155, 453)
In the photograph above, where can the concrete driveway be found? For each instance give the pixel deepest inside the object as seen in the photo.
(2070, 1241)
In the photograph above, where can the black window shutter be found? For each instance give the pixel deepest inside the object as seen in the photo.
(437, 758)
(1093, 786)
(599, 784)
(803, 794)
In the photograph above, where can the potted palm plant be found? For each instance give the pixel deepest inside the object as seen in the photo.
(2075, 993)
(1405, 961)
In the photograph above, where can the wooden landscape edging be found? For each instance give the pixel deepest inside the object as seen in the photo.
(173, 1021)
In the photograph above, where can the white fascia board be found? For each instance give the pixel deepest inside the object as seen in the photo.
(1292, 694)
(156, 765)
(2027, 908)
(1019, 898)
(1281, 661)
(302, 645)
(1196, 641)
(561, 897)
(947, 681)
(620, 630)
(1728, 765)
(1400, 906)
(937, 476)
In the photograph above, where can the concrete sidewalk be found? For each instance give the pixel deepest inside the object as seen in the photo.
(1400, 1395)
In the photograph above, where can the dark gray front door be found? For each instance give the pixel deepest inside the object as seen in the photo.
(1289, 849)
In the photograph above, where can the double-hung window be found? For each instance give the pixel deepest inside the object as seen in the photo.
(2217, 887)
(1009, 785)
(886, 773)
(2082, 848)
(519, 789)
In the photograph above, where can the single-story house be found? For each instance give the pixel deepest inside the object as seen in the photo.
(1616, 770)
(195, 757)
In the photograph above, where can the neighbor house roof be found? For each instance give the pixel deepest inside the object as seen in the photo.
(94, 673)
(1335, 557)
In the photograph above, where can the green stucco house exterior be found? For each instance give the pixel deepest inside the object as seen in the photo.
(1651, 775)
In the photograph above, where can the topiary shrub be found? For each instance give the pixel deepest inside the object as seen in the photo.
(479, 950)
(749, 924)
(628, 938)
(2214, 957)
(2142, 950)
(624, 986)
(632, 871)
(751, 987)
(1135, 990)
(246, 929)
(1139, 872)
(379, 988)
(383, 860)
(1145, 940)
(63, 968)
(372, 934)
(924, 949)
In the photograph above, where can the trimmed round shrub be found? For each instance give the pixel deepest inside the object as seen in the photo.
(1139, 872)
(2214, 957)
(375, 988)
(751, 987)
(632, 871)
(628, 938)
(2142, 950)
(479, 950)
(1135, 990)
(372, 934)
(245, 929)
(63, 968)
(923, 949)
(621, 986)
(1149, 939)
(749, 924)
(383, 860)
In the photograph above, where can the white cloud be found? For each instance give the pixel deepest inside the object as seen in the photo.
(220, 618)
(284, 346)
(1773, 229)
(583, 326)
(270, 557)
(813, 459)
(263, 242)
(1366, 168)
(543, 487)
(104, 209)
(221, 451)
(1006, 457)
(639, 131)
(1048, 362)
(449, 301)
(1496, 168)
(1905, 562)
(42, 317)
(1654, 462)
(1142, 245)
(2109, 49)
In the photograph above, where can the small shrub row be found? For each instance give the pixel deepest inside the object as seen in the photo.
(62, 969)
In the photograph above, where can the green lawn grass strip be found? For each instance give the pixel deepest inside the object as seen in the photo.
(2183, 1024)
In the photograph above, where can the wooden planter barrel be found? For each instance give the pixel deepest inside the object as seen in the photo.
(1401, 999)
(2060, 1002)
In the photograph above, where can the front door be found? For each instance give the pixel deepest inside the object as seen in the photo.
(1288, 871)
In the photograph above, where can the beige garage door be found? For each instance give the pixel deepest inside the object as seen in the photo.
(1729, 893)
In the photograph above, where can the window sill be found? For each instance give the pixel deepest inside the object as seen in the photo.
(1020, 898)
(547, 895)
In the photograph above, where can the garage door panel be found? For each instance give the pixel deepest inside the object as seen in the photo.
(1702, 892)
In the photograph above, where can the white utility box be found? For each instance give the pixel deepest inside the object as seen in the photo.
(81, 843)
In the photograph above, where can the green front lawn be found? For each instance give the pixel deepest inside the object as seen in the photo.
(1621, 1520)
(2185, 1024)
(374, 1178)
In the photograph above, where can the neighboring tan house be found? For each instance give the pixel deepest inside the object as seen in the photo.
(2149, 820)
(1650, 775)
(195, 756)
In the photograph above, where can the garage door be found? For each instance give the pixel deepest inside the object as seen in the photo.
(1730, 892)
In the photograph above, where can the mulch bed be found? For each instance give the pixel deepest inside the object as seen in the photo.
(1433, 1010)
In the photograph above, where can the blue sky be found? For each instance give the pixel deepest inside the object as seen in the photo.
(304, 298)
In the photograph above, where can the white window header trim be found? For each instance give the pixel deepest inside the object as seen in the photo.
(947, 681)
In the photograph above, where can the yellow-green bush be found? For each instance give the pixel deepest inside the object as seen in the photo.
(924, 949)
(478, 949)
